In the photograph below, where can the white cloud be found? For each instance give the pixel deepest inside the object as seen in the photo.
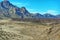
(54, 12)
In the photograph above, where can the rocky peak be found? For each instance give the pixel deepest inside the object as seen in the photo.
(24, 11)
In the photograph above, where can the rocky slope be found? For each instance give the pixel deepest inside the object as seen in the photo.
(8, 10)
(15, 30)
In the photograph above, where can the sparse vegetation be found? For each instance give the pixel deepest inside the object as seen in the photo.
(18, 30)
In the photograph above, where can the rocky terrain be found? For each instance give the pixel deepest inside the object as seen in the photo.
(8, 10)
(18, 30)
(19, 24)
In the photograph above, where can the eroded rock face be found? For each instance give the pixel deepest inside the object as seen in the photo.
(15, 30)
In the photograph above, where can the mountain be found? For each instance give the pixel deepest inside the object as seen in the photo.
(58, 16)
(38, 15)
(8, 10)
(25, 13)
(48, 15)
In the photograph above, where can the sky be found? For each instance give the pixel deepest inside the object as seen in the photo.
(39, 6)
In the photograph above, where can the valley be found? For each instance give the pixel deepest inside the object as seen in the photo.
(17, 23)
(18, 30)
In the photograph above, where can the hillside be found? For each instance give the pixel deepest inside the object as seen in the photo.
(19, 24)
(10, 11)
(15, 30)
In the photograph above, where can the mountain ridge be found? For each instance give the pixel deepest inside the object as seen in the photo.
(8, 10)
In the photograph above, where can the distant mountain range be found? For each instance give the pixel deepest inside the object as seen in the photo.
(8, 10)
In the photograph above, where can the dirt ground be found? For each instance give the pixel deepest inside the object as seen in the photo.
(17, 30)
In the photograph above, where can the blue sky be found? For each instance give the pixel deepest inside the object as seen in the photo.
(39, 6)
